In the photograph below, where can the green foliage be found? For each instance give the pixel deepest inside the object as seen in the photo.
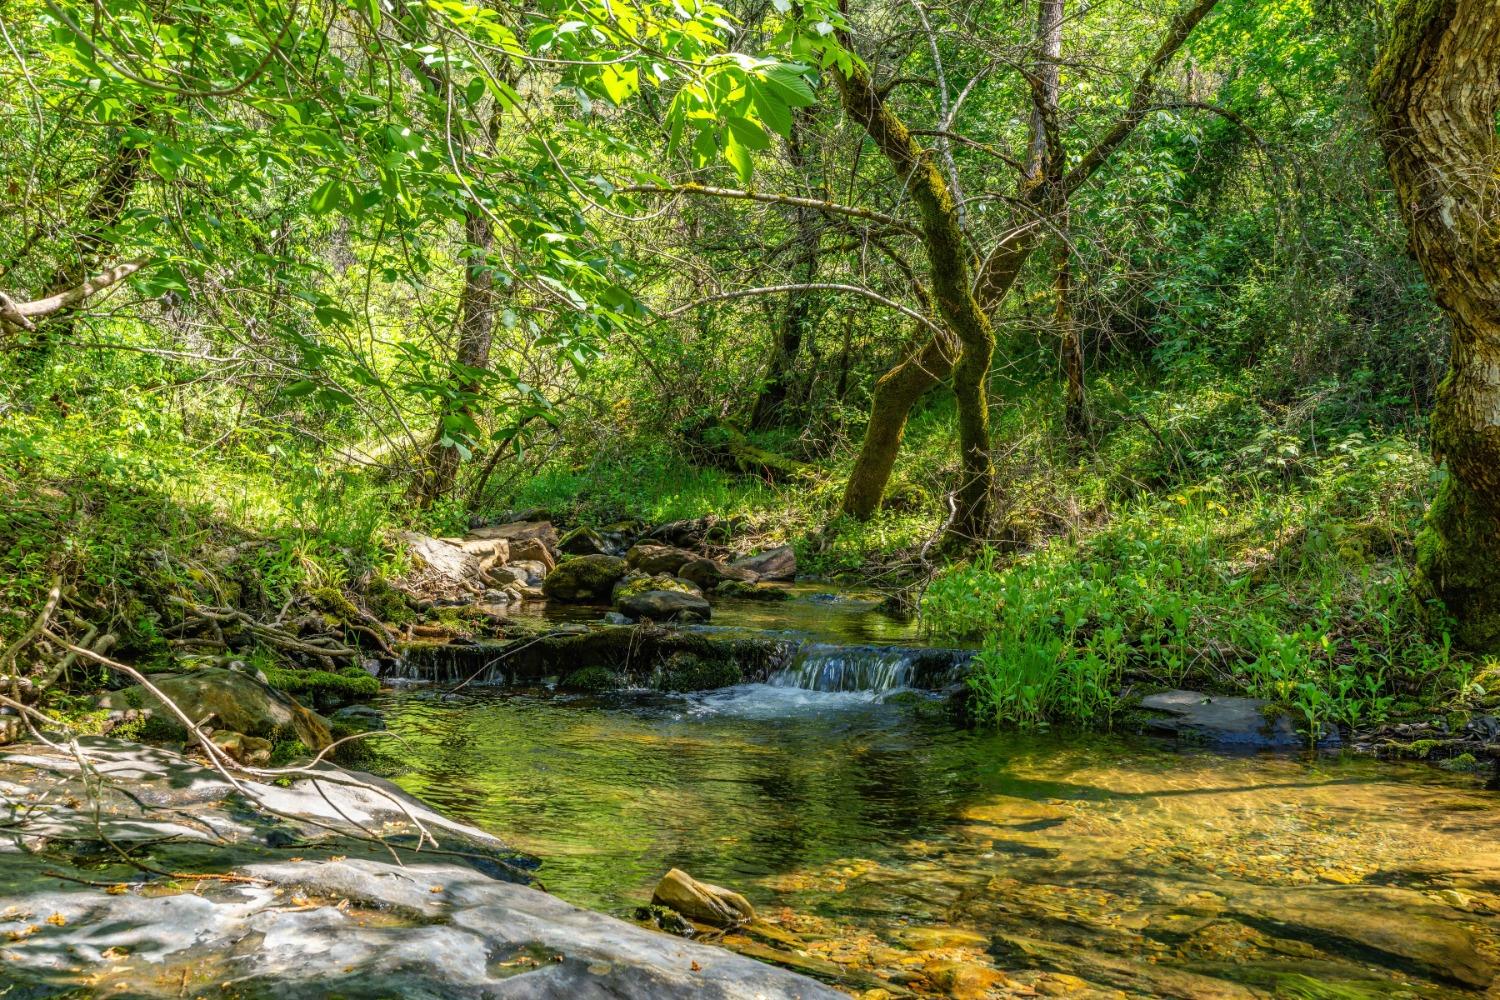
(1301, 597)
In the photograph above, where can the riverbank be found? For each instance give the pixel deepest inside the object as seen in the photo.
(136, 872)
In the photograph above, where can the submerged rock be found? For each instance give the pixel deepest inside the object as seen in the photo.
(584, 578)
(223, 699)
(700, 901)
(1224, 721)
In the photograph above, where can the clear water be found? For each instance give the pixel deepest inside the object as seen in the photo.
(955, 863)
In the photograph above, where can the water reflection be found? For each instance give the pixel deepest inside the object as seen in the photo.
(1036, 859)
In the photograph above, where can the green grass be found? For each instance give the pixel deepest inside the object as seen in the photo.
(1296, 590)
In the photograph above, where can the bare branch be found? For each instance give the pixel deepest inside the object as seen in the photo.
(774, 199)
(22, 313)
(816, 286)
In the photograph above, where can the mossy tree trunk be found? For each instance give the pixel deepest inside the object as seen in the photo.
(953, 291)
(1436, 91)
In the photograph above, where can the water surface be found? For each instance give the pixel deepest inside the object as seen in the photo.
(959, 863)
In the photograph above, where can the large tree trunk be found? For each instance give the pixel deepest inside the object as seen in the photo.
(953, 291)
(896, 393)
(1436, 92)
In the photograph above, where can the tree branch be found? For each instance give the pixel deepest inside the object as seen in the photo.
(1140, 97)
(774, 199)
(21, 313)
(815, 286)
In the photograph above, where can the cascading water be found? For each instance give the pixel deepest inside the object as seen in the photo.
(819, 666)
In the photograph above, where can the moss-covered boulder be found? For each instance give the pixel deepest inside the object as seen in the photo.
(660, 598)
(228, 699)
(584, 579)
(583, 541)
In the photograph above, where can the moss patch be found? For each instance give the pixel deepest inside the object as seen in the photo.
(590, 680)
(692, 672)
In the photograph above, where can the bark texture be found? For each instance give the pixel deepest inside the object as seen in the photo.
(1436, 92)
(896, 393)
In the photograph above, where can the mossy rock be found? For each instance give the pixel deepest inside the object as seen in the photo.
(324, 687)
(584, 578)
(660, 598)
(690, 672)
(590, 680)
(582, 541)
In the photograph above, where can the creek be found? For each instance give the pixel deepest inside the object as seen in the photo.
(954, 862)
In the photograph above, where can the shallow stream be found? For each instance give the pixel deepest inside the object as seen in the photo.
(950, 862)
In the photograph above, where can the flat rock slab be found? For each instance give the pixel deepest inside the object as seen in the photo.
(1221, 721)
(304, 920)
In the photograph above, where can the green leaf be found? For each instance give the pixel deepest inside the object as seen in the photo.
(738, 157)
(749, 134)
(326, 197)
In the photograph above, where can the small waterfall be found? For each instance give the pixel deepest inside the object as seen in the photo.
(821, 666)
(442, 663)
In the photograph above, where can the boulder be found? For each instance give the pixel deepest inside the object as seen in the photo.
(520, 531)
(242, 749)
(710, 573)
(583, 541)
(490, 552)
(779, 563)
(532, 572)
(658, 558)
(223, 699)
(700, 901)
(660, 598)
(693, 531)
(584, 578)
(532, 550)
(442, 569)
(509, 576)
